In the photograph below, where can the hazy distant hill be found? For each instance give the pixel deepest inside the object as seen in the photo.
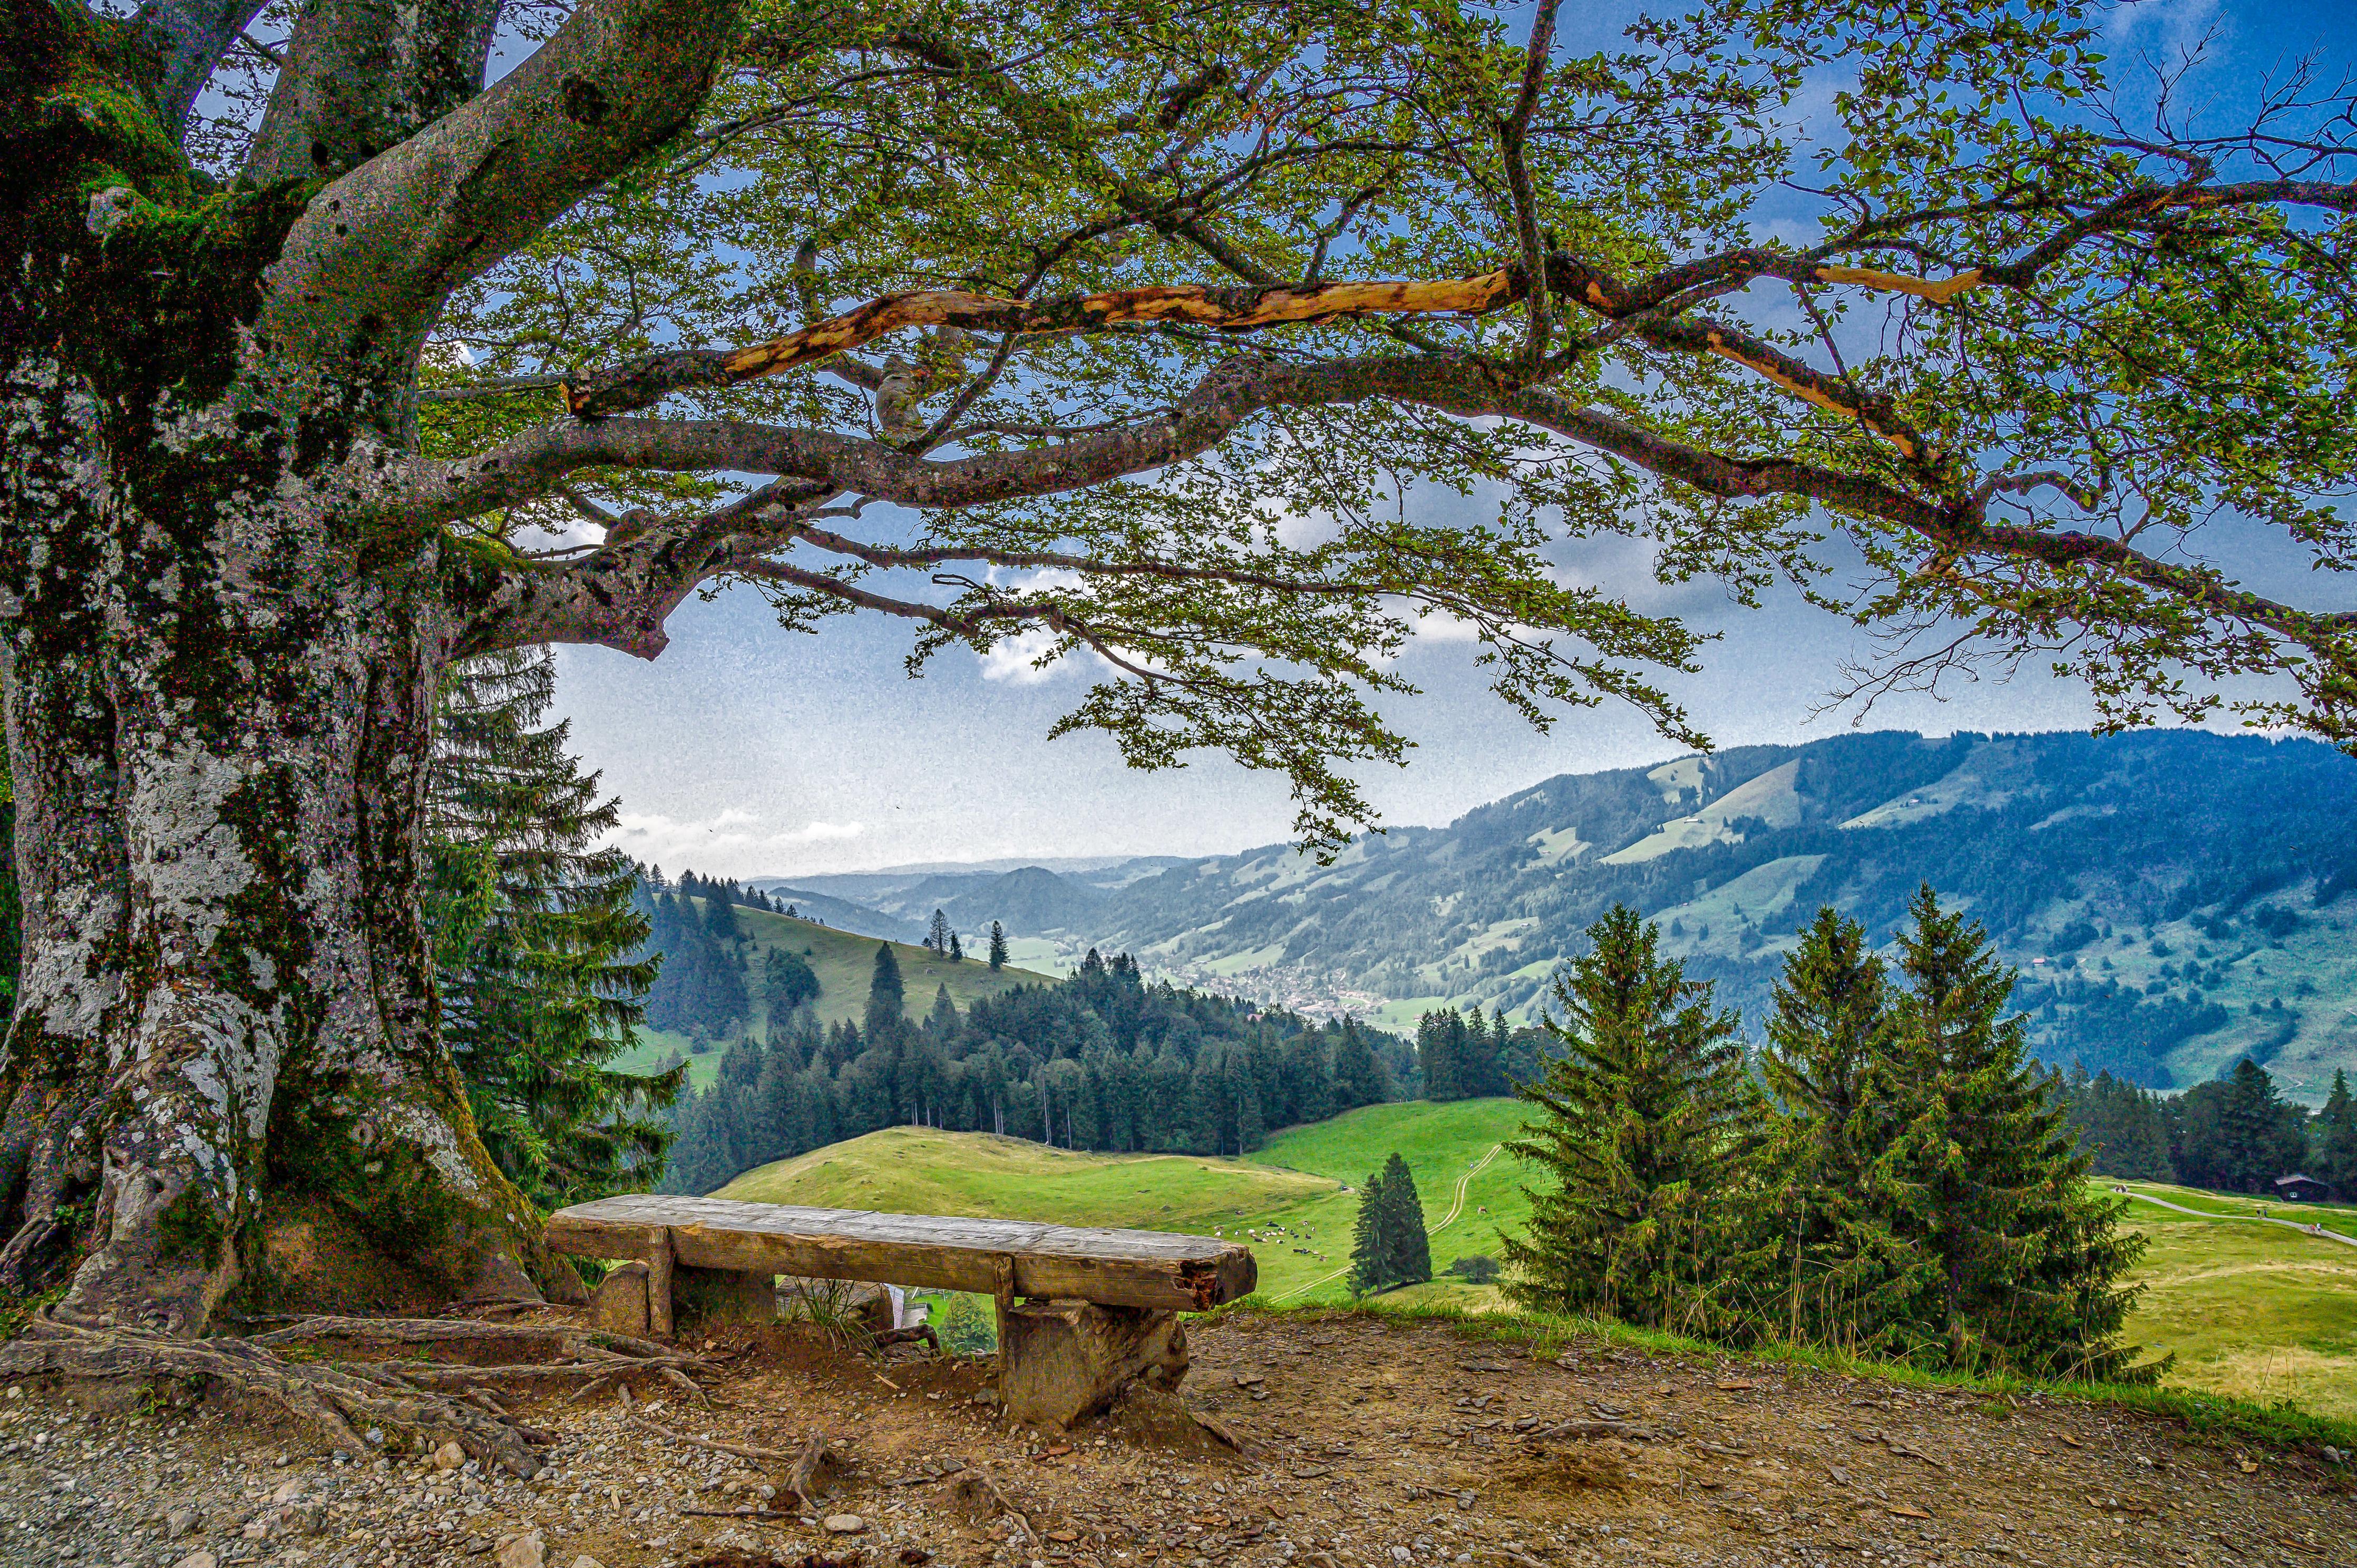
(845, 916)
(1029, 901)
(2176, 899)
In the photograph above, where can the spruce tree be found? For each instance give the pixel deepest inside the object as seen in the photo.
(1441, 1053)
(997, 946)
(1407, 1250)
(787, 981)
(1647, 1148)
(1367, 1237)
(1359, 1075)
(887, 1003)
(1842, 1275)
(1982, 1177)
(536, 941)
(937, 935)
(956, 951)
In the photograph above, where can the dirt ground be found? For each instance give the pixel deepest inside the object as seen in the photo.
(1364, 1445)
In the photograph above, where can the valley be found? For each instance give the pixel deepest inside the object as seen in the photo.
(2174, 901)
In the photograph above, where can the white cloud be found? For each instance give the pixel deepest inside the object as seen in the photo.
(1014, 661)
(1439, 626)
(732, 834)
(815, 832)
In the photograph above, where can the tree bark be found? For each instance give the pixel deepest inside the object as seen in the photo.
(224, 1070)
(224, 1079)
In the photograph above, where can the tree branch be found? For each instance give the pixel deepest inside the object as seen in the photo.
(1221, 309)
(378, 250)
(361, 75)
(620, 595)
(190, 36)
(1513, 129)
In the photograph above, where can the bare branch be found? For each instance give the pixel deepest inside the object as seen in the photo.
(500, 386)
(1221, 309)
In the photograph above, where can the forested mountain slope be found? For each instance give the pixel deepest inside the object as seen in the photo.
(2176, 900)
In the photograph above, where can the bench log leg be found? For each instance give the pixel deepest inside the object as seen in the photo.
(1060, 1360)
(620, 1304)
(659, 1272)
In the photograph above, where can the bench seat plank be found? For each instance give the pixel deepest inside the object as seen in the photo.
(1114, 1268)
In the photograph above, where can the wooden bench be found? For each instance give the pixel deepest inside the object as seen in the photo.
(1081, 1312)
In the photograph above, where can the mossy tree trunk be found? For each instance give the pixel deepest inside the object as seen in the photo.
(220, 649)
(224, 1063)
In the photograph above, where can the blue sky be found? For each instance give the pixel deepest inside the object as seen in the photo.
(744, 750)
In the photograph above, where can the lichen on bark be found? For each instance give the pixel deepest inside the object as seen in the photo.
(218, 720)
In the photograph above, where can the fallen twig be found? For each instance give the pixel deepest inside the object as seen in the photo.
(742, 1450)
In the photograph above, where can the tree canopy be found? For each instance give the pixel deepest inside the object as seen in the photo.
(1068, 280)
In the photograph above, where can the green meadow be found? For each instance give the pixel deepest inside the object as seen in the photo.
(2250, 1310)
(1292, 1202)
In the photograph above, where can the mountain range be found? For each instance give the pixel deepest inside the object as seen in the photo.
(2175, 900)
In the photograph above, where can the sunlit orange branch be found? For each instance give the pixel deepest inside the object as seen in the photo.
(1938, 291)
(1219, 309)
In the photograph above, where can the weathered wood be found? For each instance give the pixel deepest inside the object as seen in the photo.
(1115, 1268)
(655, 1244)
(620, 1304)
(1065, 1360)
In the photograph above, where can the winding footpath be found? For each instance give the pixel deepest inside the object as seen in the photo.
(2260, 1218)
(1456, 1209)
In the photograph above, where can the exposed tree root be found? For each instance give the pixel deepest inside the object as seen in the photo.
(353, 1413)
(567, 1338)
(359, 1406)
(439, 1375)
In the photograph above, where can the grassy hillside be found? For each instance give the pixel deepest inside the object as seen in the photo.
(912, 1170)
(1294, 1201)
(2250, 1310)
(844, 962)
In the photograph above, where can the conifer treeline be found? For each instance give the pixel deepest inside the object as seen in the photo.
(1099, 1060)
(1903, 1183)
(1464, 1058)
(702, 988)
(2235, 1133)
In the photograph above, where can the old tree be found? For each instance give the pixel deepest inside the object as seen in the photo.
(1125, 332)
